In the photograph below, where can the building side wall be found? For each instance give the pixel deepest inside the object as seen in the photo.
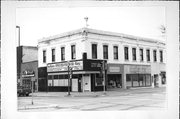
(29, 54)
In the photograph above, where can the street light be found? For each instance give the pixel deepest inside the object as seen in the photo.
(18, 35)
(19, 61)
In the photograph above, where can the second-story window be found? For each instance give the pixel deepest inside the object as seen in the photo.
(94, 51)
(154, 55)
(161, 56)
(105, 51)
(134, 54)
(141, 54)
(73, 52)
(115, 52)
(148, 55)
(53, 55)
(44, 56)
(62, 53)
(126, 54)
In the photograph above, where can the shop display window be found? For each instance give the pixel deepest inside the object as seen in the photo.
(99, 80)
(50, 83)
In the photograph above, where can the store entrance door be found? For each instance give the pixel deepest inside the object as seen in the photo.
(74, 84)
(86, 83)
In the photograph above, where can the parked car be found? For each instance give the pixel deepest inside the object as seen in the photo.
(23, 91)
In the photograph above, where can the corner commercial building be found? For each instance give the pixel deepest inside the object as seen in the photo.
(130, 61)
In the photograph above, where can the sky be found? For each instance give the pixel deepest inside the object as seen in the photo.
(36, 23)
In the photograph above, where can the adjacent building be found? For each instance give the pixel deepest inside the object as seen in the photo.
(27, 61)
(97, 57)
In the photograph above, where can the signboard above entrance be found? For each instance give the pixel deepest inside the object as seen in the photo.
(63, 66)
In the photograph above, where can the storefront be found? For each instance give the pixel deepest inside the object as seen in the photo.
(85, 75)
(29, 67)
(114, 76)
(137, 75)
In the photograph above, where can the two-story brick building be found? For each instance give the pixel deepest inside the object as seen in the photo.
(130, 61)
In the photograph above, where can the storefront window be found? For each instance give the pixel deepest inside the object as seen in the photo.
(135, 80)
(128, 81)
(49, 82)
(138, 80)
(58, 80)
(99, 80)
(63, 82)
(148, 80)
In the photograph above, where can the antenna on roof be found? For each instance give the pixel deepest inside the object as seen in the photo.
(86, 19)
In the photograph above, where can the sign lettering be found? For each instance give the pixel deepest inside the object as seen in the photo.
(75, 65)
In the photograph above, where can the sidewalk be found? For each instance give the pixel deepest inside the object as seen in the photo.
(110, 92)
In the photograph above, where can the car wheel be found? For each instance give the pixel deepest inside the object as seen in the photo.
(27, 94)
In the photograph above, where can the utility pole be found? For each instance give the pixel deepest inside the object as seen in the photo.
(18, 35)
(68, 80)
(69, 77)
(104, 80)
(19, 57)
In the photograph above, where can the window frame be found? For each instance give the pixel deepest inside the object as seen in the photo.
(44, 56)
(134, 58)
(155, 55)
(148, 55)
(141, 54)
(94, 50)
(73, 51)
(53, 54)
(161, 55)
(105, 51)
(126, 54)
(115, 52)
(63, 53)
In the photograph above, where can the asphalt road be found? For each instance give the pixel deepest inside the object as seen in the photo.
(132, 99)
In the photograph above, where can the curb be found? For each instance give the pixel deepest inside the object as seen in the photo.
(37, 107)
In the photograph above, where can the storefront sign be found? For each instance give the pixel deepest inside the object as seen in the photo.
(93, 65)
(114, 69)
(139, 69)
(63, 66)
(28, 73)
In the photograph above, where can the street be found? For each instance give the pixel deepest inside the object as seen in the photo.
(115, 100)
